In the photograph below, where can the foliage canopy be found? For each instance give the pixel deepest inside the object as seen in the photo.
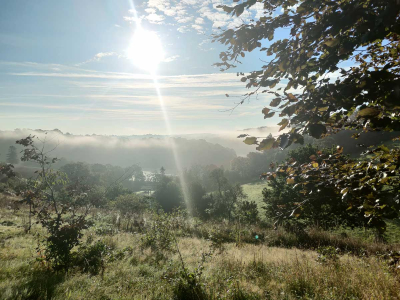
(337, 68)
(323, 36)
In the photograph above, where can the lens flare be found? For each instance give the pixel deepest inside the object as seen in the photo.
(171, 141)
(146, 52)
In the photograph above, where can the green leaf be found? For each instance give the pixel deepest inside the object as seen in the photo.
(332, 42)
(239, 10)
(266, 110)
(250, 140)
(266, 144)
(271, 36)
(282, 67)
(275, 102)
(368, 112)
(270, 115)
(283, 124)
(300, 9)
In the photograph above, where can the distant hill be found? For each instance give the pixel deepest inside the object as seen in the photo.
(149, 151)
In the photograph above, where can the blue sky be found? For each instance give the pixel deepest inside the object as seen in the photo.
(63, 64)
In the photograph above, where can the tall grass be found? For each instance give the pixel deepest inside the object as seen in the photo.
(277, 265)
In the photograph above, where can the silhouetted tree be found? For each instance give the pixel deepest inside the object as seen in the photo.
(12, 157)
(168, 194)
(217, 175)
(196, 194)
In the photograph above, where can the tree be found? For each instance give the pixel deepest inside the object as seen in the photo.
(198, 202)
(224, 203)
(322, 36)
(168, 194)
(217, 175)
(116, 190)
(323, 207)
(80, 177)
(43, 195)
(247, 211)
(12, 157)
(131, 207)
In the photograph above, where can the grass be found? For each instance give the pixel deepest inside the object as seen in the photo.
(282, 266)
(248, 272)
(254, 193)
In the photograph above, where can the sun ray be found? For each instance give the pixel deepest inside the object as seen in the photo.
(145, 51)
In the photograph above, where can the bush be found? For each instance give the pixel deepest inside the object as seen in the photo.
(248, 211)
(97, 197)
(327, 254)
(130, 205)
(131, 208)
(92, 258)
(285, 203)
(188, 287)
(62, 237)
(168, 194)
(186, 284)
(159, 236)
(225, 201)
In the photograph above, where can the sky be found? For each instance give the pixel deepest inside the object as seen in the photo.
(68, 65)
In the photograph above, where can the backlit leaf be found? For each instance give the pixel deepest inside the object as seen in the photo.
(290, 181)
(270, 115)
(250, 140)
(283, 124)
(332, 42)
(266, 144)
(275, 102)
(368, 112)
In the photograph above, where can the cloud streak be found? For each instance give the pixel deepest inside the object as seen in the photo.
(98, 98)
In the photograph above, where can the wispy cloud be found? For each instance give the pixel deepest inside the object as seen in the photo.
(171, 58)
(99, 56)
(82, 95)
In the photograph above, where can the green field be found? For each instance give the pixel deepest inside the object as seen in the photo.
(254, 193)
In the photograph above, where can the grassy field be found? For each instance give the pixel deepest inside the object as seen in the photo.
(254, 193)
(220, 260)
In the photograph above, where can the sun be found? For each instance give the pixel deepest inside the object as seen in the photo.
(145, 50)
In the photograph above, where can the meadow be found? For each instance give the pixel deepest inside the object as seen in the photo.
(185, 258)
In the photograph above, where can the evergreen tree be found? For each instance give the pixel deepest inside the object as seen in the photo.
(12, 157)
(162, 171)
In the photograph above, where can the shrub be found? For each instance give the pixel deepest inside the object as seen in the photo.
(168, 194)
(248, 211)
(62, 237)
(92, 258)
(327, 254)
(159, 236)
(290, 204)
(55, 205)
(189, 285)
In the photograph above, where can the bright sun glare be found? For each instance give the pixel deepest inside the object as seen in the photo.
(145, 50)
